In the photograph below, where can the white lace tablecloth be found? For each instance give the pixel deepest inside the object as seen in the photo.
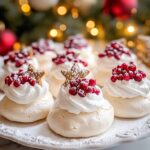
(138, 145)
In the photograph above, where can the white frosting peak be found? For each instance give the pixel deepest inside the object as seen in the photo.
(25, 94)
(128, 89)
(77, 104)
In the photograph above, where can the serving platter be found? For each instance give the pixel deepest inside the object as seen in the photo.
(38, 135)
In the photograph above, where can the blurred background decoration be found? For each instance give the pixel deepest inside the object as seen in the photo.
(56, 19)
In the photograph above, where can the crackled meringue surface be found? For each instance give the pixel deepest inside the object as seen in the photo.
(74, 116)
(35, 111)
(80, 125)
(26, 94)
(130, 99)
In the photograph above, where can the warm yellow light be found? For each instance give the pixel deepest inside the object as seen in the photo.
(131, 29)
(130, 44)
(94, 31)
(63, 27)
(2, 26)
(90, 24)
(21, 2)
(62, 10)
(75, 13)
(25, 8)
(119, 25)
(53, 33)
(17, 46)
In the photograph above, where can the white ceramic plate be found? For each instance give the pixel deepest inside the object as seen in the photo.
(38, 135)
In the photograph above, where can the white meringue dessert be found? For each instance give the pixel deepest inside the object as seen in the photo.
(80, 109)
(14, 61)
(62, 62)
(27, 97)
(79, 45)
(115, 53)
(128, 90)
(44, 51)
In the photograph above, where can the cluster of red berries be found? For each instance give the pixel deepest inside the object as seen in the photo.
(69, 56)
(18, 58)
(127, 72)
(83, 87)
(16, 79)
(77, 42)
(42, 46)
(115, 50)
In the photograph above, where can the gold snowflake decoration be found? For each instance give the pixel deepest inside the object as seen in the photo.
(36, 74)
(73, 73)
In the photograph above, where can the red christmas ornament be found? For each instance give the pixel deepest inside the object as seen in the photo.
(119, 8)
(7, 40)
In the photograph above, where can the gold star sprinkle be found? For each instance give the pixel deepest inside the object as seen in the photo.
(36, 74)
(74, 72)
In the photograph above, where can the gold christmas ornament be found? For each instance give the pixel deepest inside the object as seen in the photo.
(73, 73)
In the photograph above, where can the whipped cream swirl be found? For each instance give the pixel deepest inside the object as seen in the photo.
(106, 64)
(77, 104)
(11, 68)
(25, 94)
(128, 89)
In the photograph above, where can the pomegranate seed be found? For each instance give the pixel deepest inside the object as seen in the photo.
(125, 66)
(16, 83)
(113, 78)
(96, 91)
(73, 83)
(73, 90)
(92, 82)
(89, 89)
(138, 77)
(118, 71)
(120, 77)
(131, 74)
(142, 73)
(32, 82)
(83, 85)
(81, 93)
(126, 77)
(8, 80)
(132, 67)
(101, 55)
(19, 63)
